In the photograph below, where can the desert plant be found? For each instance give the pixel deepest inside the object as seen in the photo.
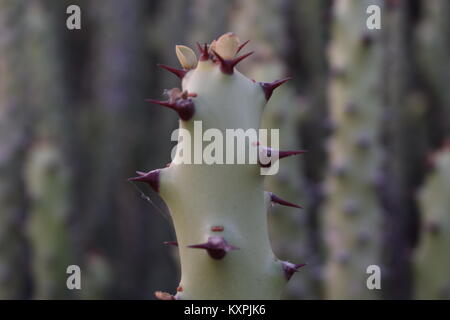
(219, 210)
(433, 255)
(352, 214)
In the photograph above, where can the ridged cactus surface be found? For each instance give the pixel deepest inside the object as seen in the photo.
(220, 210)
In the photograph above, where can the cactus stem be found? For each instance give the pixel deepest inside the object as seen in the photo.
(269, 87)
(290, 268)
(204, 55)
(171, 243)
(275, 199)
(180, 73)
(242, 46)
(152, 178)
(184, 107)
(217, 247)
(227, 66)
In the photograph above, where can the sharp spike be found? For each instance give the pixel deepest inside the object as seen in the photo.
(204, 55)
(242, 46)
(281, 155)
(276, 199)
(269, 87)
(290, 268)
(152, 178)
(184, 107)
(284, 154)
(171, 243)
(217, 247)
(227, 66)
(180, 73)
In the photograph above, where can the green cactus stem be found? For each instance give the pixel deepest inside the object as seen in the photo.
(432, 261)
(219, 211)
(351, 213)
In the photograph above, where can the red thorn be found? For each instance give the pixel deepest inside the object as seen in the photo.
(281, 155)
(184, 107)
(284, 154)
(276, 199)
(269, 87)
(217, 228)
(152, 178)
(242, 46)
(217, 247)
(204, 55)
(171, 243)
(180, 73)
(290, 268)
(227, 66)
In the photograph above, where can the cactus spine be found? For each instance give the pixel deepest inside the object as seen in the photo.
(219, 211)
(351, 213)
(433, 254)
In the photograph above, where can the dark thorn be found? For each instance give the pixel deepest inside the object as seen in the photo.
(350, 207)
(274, 198)
(242, 46)
(204, 55)
(184, 107)
(152, 178)
(180, 73)
(269, 87)
(367, 39)
(343, 258)
(217, 247)
(363, 141)
(433, 228)
(290, 268)
(227, 66)
(281, 155)
(171, 243)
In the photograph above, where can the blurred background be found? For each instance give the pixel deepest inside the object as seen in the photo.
(371, 106)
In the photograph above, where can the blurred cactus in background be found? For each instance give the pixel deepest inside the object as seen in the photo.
(14, 141)
(352, 214)
(433, 254)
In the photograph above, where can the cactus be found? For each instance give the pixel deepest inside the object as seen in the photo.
(283, 111)
(432, 261)
(219, 210)
(351, 213)
(14, 134)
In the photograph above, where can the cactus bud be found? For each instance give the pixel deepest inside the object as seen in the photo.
(227, 45)
(186, 56)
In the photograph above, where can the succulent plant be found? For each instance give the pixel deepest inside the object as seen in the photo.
(219, 210)
(352, 214)
(433, 256)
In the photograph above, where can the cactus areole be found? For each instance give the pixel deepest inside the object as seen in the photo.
(219, 210)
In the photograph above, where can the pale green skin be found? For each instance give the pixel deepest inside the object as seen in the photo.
(347, 259)
(432, 263)
(232, 196)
